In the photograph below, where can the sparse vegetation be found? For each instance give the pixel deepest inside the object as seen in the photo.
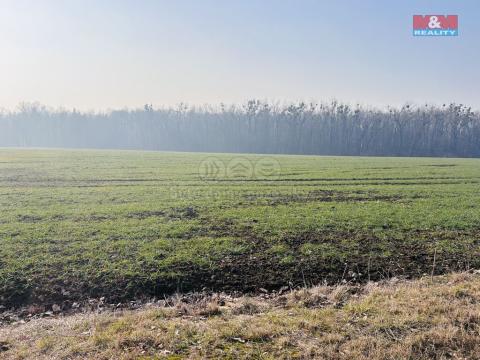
(431, 318)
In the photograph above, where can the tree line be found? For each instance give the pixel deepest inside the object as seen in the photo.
(254, 127)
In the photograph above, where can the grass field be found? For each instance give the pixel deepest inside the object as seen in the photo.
(119, 224)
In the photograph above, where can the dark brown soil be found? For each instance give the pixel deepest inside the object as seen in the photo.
(323, 196)
(354, 257)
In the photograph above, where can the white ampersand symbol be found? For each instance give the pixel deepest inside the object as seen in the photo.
(434, 23)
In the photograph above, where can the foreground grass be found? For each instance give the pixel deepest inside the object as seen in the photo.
(430, 318)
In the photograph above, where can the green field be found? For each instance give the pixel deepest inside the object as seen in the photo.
(126, 224)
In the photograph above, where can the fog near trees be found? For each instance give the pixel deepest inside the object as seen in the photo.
(254, 127)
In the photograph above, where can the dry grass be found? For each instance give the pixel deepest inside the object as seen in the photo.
(435, 318)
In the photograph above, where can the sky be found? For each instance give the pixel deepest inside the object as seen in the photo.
(110, 54)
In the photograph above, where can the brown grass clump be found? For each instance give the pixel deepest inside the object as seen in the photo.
(431, 318)
(249, 306)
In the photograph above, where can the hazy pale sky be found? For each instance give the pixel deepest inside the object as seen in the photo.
(100, 54)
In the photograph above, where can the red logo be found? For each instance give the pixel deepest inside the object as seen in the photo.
(435, 25)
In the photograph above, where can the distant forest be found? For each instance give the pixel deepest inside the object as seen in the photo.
(451, 130)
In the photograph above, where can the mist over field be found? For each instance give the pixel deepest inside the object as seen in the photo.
(239, 179)
(451, 130)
